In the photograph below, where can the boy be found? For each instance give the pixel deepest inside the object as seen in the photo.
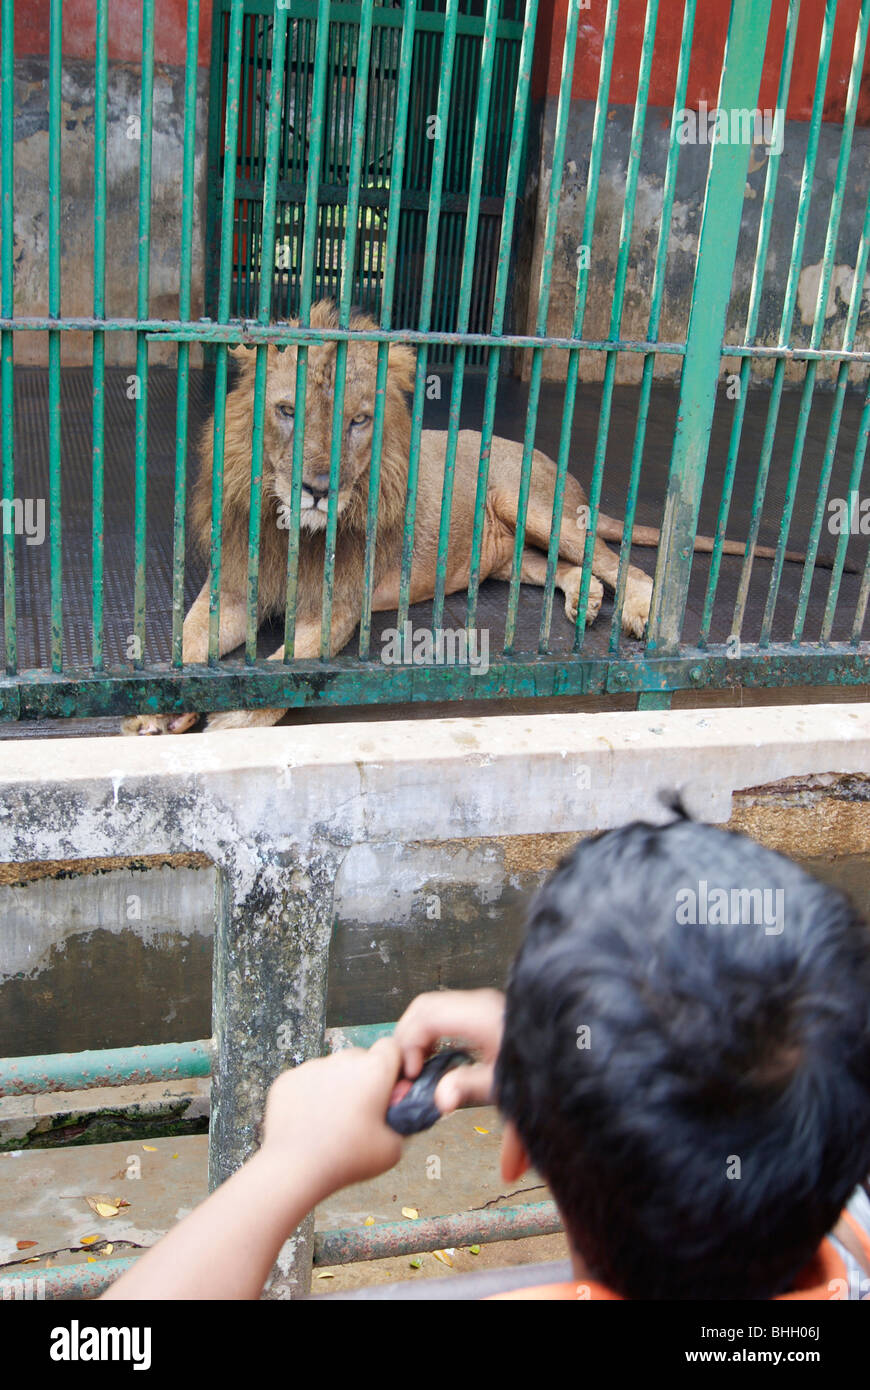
(683, 1053)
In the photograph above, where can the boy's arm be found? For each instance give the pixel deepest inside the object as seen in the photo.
(324, 1129)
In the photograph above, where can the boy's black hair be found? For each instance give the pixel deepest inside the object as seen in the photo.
(696, 1093)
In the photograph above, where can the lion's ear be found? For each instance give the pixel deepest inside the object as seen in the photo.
(403, 366)
(243, 356)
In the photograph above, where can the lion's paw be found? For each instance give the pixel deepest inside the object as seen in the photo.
(572, 596)
(635, 612)
(139, 724)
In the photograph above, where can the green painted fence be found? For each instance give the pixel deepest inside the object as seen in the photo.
(319, 180)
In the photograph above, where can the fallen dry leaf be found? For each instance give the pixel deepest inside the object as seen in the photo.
(26, 1244)
(34, 1260)
(150, 1148)
(88, 1240)
(325, 1274)
(91, 1260)
(107, 1249)
(369, 1221)
(478, 1129)
(102, 1205)
(411, 1213)
(443, 1256)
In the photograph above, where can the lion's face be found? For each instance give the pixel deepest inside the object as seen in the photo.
(280, 421)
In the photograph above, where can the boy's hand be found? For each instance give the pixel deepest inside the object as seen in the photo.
(474, 1016)
(332, 1110)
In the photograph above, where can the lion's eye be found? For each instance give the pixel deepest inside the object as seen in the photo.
(361, 419)
(286, 411)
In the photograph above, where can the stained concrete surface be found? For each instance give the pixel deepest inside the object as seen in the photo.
(42, 1198)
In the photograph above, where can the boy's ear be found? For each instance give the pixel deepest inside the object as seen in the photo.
(514, 1159)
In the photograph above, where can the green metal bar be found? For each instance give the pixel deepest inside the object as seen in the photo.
(348, 263)
(788, 308)
(264, 314)
(758, 270)
(627, 224)
(119, 1066)
(183, 388)
(843, 539)
(101, 79)
(306, 285)
(558, 161)
(343, 682)
(831, 445)
(390, 1238)
(210, 332)
(213, 160)
(658, 285)
(396, 180)
(864, 591)
(142, 297)
(717, 249)
(625, 232)
(228, 227)
(7, 291)
(426, 290)
(54, 460)
(815, 339)
(137, 1066)
(484, 91)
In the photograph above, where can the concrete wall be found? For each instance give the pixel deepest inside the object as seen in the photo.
(121, 957)
(683, 241)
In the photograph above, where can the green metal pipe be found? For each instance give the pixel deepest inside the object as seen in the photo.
(101, 79)
(788, 308)
(433, 220)
(658, 284)
(264, 315)
(396, 178)
(54, 306)
(380, 1242)
(306, 291)
(549, 246)
(183, 362)
(143, 283)
(815, 341)
(227, 262)
(717, 249)
(348, 266)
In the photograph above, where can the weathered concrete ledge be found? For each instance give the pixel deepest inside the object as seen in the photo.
(278, 810)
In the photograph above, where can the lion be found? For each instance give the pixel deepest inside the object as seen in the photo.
(499, 529)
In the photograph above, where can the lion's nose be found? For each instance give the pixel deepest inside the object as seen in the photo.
(318, 486)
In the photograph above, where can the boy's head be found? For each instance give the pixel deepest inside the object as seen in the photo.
(686, 1059)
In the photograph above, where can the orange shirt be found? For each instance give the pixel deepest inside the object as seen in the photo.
(826, 1277)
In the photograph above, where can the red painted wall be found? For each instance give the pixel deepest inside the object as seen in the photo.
(125, 37)
(125, 29)
(711, 24)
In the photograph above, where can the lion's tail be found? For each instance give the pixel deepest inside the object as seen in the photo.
(609, 529)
